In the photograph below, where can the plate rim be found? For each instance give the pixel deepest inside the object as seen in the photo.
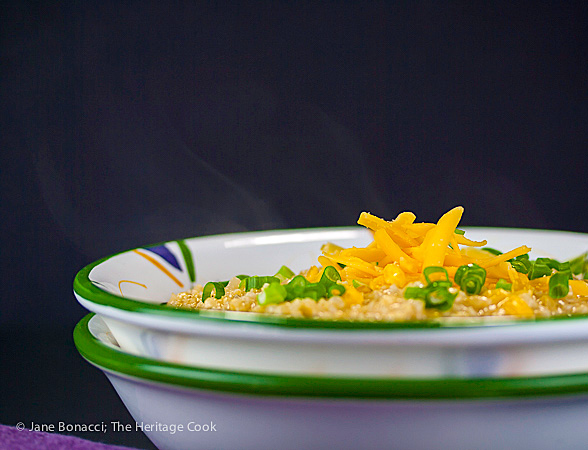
(90, 292)
(120, 363)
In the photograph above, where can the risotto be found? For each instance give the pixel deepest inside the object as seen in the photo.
(410, 271)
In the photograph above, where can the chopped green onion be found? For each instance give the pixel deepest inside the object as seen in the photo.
(579, 264)
(415, 292)
(470, 278)
(330, 275)
(315, 291)
(549, 262)
(216, 286)
(521, 264)
(492, 250)
(285, 273)
(539, 270)
(436, 294)
(503, 284)
(434, 269)
(541, 267)
(335, 289)
(256, 282)
(330, 279)
(274, 293)
(296, 287)
(559, 285)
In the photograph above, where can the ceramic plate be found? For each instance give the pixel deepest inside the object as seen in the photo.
(127, 290)
(181, 407)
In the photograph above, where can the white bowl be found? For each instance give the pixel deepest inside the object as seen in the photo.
(228, 410)
(127, 290)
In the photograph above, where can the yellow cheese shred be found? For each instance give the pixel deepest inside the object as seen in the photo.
(402, 248)
(523, 249)
(439, 237)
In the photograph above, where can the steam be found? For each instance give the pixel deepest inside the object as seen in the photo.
(210, 158)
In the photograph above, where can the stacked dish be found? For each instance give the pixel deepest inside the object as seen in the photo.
(317, 382)
(183, 407)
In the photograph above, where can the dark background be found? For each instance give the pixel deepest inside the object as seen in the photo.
(127, 123)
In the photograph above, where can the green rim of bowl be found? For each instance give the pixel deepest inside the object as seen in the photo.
(86, 289)
(124, 364)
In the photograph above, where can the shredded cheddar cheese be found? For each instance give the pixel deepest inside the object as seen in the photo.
(408, 245)
(402, 249)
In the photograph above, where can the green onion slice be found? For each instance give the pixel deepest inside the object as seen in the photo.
(296, 287)
(335, 289)
(579, 264)
(470, 278)
(285, 273)
(521, 264)
(256, 282)
(316, 291)
(549, 262)
(415, 292)
(274, 293)
(539, 270)
(503, 284)
(440, 298)
(213, 286)
(329, 280)
(559, 285)
(435, 295)
(428, 271)
(328, 286)
(330, 275)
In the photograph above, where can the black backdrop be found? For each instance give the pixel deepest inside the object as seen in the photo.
(126, 123)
